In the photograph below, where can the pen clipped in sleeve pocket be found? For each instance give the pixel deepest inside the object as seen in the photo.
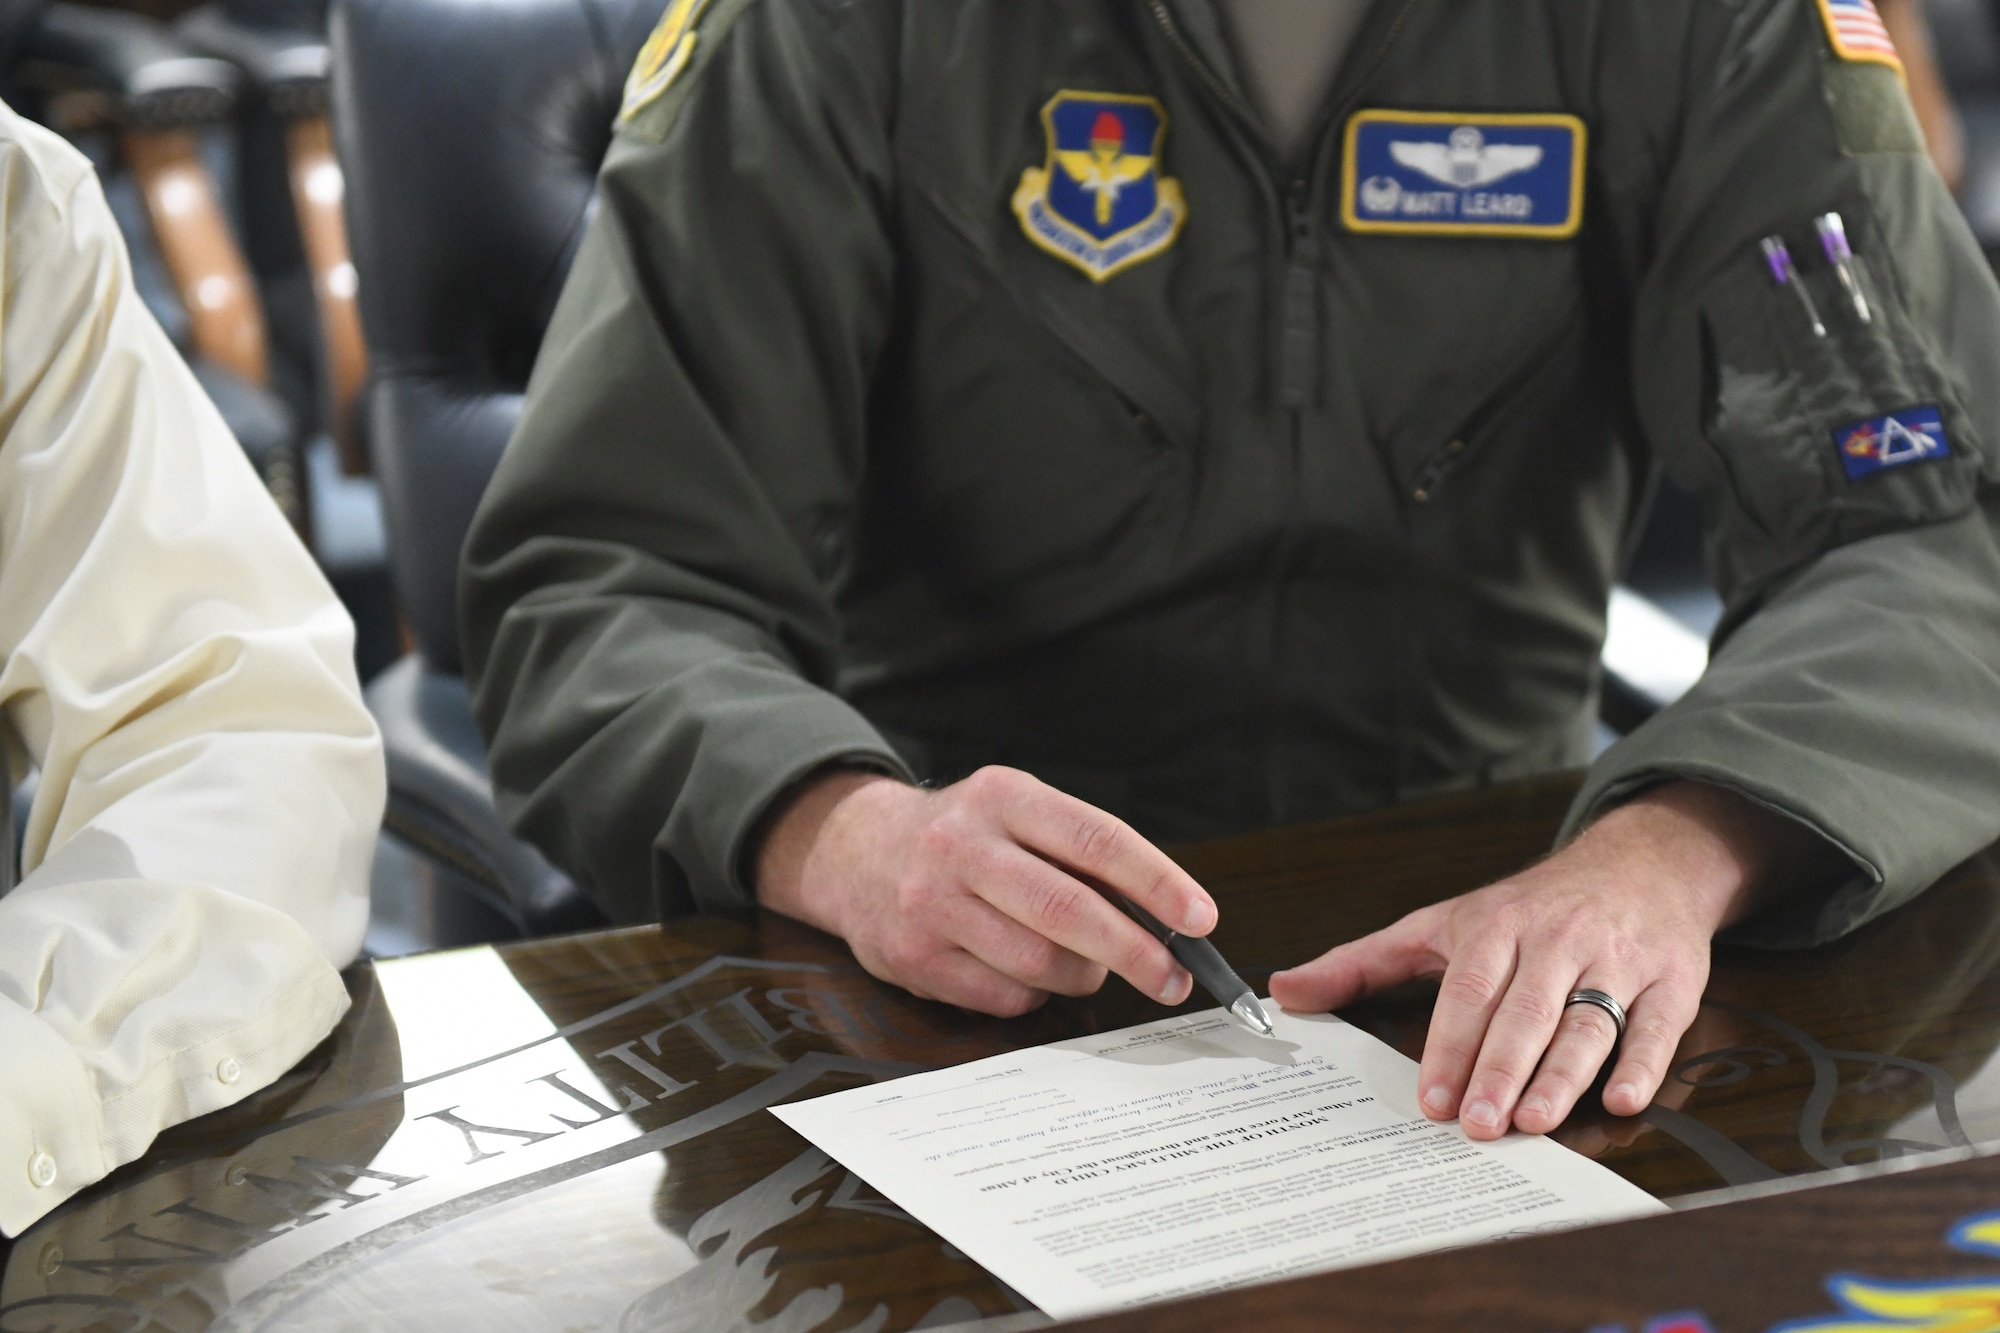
(1788, 413)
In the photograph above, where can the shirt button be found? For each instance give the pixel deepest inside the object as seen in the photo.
(41, 1170)
(229, 1070)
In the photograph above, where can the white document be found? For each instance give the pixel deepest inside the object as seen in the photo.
(1189, 1155)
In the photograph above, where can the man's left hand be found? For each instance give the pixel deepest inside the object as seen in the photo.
(1628, 908)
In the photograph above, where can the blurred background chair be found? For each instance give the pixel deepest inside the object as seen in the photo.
(471, 132)
(257, 293)
(1965, 37)
(289, 192)
(143, 107)
(292, 190)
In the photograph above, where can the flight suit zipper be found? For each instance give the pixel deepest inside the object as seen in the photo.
(1298, 348)
(1298, 351)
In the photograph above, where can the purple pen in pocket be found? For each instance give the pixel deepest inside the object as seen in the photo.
(1786, 274)
(1833, 240)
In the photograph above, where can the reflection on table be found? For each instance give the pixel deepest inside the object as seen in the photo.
(570, 1133)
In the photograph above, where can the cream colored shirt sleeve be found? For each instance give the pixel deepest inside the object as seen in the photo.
(197, 859)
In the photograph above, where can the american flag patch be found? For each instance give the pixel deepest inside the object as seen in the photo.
(1857, 32)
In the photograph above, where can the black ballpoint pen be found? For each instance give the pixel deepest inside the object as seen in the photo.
(1206, 965)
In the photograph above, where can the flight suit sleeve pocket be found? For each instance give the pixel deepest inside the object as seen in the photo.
(1821, 438)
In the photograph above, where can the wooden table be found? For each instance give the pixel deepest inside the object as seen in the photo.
(570, 1134)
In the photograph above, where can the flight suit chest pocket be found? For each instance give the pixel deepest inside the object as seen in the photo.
(1059, 417)
(1036, 457)
(1827, 419)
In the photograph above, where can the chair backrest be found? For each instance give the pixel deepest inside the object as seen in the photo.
(470, 132)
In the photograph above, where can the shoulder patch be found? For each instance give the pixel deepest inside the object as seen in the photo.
(663, 57)
(1447, 173)
(1855, 29)
(1099, 202)
(1871, 109)
(1914, 435)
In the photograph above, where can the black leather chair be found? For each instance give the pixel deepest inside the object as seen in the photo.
(279, 45)
(470, 132)
(135, 61)
(284, 73)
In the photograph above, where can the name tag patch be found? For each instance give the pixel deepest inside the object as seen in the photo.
(1424, 173)
(1915, 435)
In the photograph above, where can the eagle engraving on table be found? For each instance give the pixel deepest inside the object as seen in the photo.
(1466, 160)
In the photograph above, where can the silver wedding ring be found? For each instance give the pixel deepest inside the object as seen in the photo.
(1602, 1001)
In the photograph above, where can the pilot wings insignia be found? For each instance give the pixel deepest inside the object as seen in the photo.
(1466, 160)
(1099, 203)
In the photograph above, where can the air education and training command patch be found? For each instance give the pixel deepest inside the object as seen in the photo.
(1856, 31)
(1100, 202)
(1427, 173)
(1915, 435)
(663, 57)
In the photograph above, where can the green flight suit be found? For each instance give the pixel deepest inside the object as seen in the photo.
(825, 461)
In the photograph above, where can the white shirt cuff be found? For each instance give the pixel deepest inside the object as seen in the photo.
(59, 1135)
(51, 1128)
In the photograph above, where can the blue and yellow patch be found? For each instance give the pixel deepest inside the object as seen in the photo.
(1428, 173)
(1915, 435)
(1099, 202)
(661, 60)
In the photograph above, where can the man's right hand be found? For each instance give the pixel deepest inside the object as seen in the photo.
(981, 894)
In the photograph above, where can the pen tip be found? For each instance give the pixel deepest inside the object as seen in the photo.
(1251, 1014)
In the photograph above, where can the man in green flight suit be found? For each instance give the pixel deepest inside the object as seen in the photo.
(1152, 419)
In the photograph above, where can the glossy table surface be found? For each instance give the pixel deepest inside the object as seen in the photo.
(570, 1134)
